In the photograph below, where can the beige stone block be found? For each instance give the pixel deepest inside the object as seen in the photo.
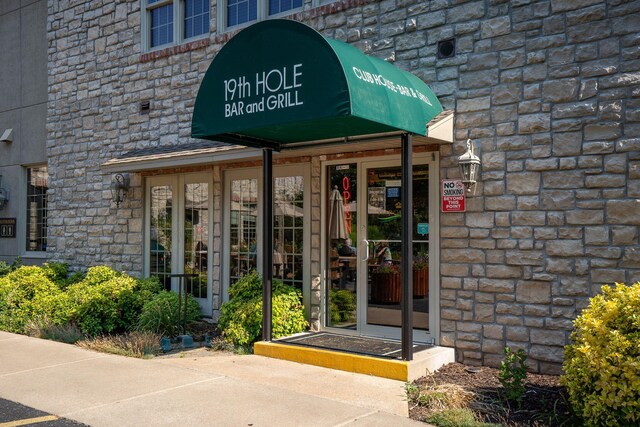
(523, 183)
(533, 292)
(484, 313)
(496, 285)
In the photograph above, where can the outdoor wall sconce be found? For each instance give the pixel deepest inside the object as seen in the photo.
(119, 188)
(4, 195)
(469, 166)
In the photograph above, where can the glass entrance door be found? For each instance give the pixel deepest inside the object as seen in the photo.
(381, 236)
(364, 258)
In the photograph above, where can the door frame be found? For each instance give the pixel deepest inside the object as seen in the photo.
(432, 335)
(279, 171)
(177, 183)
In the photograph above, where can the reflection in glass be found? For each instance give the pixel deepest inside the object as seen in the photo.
(384, 231)
(160, 232)
(288, 228)
(342, 237)
(196, 236)
(37, 185)
(243, 227)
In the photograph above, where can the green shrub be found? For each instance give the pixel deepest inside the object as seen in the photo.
(27, 292)
(342, 305)
(241, 317)
(602, 364)
(104, 301)
(160, 314)
(512, 374)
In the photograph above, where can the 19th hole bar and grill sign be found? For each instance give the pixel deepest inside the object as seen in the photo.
(453, 195)
(8, 227)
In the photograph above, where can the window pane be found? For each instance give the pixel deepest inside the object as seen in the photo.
(288, 212)
(243, 227)
(162, 25)
(279, 6)
(37, 184)
(196, 18)
(196, 236)
(160, 232)
(241, 11)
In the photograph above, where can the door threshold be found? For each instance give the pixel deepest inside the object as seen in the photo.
(364, 355)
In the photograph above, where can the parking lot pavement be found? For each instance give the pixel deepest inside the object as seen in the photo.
(14, 414)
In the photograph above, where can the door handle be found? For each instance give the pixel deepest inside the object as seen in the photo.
(366, 258)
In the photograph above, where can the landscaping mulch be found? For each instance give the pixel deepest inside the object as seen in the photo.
(545, 402)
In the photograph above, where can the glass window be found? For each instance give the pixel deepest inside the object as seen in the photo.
(161, 223)
(196, 18)
(162, 25)
(241, 11)
(288, 229)
(243, 227)
(279, 6)
(168, 22)
(196, 236)
(37, 184)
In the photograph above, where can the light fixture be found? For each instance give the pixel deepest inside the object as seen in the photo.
(469, 166)
(7, 136)
(119, 188)
(4, 195)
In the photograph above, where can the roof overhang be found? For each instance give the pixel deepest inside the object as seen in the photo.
(280, 82)
(440, 131)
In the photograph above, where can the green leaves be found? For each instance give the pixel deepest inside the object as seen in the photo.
(512, 374)
(602, 364)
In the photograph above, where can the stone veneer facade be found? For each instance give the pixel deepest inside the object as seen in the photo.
(549, 91)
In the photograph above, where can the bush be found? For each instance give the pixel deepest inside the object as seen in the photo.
(27, 292)
(106, 301)
(241, 317)
(160, 314)
(602, 364)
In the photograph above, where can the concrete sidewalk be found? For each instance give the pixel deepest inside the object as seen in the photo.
(196, 388)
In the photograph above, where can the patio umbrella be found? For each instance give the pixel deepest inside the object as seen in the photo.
(337, 228)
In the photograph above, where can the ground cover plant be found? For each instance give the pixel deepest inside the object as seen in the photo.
(240, 319)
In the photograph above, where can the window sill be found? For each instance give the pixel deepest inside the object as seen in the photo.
(34, 255)
(173, 50)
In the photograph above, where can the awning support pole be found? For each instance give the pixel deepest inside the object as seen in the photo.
(267, 241)
(407, 248)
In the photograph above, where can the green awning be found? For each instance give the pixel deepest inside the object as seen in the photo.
(281, 82)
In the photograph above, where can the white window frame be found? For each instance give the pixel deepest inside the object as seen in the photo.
(263, 14)
(279, 171)
(178, 24)
(177, 184)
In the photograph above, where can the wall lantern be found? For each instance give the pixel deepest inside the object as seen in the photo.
(4, 195)
(119, 188)
(469, 166)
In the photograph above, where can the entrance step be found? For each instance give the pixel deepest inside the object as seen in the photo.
(425, 358)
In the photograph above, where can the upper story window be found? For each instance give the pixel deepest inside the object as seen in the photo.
(37, 185)
(238, 12)
(168, 22)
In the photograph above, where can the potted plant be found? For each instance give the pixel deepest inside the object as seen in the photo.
(421, 275)
(386, 284)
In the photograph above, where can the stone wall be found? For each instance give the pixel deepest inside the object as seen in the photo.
(548, 91)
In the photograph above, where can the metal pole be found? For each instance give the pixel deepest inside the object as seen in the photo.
(267, 240)
(179, 300)
(186, 300)
(407, 248)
